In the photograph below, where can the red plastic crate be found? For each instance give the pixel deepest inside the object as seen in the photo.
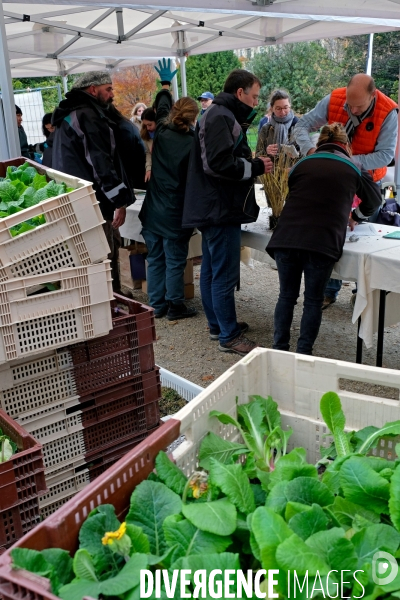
(22, 476)
(141, 390)
(18, 520)
(110, 370)
(61, 529)
(132, 328)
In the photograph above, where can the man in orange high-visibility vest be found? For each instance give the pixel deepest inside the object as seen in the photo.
(371, 123)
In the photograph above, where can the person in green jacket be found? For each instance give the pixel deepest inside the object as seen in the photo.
(161, 214)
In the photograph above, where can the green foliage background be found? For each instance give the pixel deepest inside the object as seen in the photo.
(207, 72)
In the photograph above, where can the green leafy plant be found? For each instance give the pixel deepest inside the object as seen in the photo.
(229, 516)
(7, 447)
(24, 187)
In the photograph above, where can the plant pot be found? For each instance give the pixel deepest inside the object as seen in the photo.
(273, 222)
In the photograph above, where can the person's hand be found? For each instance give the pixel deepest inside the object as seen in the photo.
(268, 164)
(272, 149)
(164, 71)
(119, 217)
(147, 176)
(352, 223)
(311, 151)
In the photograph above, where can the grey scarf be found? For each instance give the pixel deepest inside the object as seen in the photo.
(355, 120)
(281, 127)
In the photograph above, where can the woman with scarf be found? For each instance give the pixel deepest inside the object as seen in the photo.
(279, 128)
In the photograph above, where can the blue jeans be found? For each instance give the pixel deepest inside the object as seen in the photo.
(166, 262)
(291, 265)
(333, 288)
(220, 272)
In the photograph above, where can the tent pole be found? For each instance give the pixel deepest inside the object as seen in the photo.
(397, 154)
(14, 148)
(183, 75)
(175, 89)
(181, 54)
(65, 83)
(368, 67)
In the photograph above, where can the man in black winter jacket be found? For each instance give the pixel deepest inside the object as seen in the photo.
(85, 146)
(220, 197)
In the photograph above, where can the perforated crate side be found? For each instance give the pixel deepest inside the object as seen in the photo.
(114, 429)
(61, 451)
(77, 310)
(22, 476)
(64, 488)
(115, 449)
(18, 520)
(47, 427)
(28, 385)
(110, 370)
(132, 328)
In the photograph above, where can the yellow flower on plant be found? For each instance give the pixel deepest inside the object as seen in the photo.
(111, 536)
(198, 484)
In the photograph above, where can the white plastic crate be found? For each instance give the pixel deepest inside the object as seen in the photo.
(51, 423)
(72, 236)
(296, 382)
(61, 451)
(79, 310)
(64, 486)
(27, 386)
(184, 387)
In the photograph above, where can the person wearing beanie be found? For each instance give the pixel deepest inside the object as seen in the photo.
(205, 100)
(84, 146)
(23, 140)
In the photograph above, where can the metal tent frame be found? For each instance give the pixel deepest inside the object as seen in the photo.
(49, 37)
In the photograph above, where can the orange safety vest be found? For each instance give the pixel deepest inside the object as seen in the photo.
(366, 134)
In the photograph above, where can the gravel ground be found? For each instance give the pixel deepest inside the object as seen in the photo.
(184, 347)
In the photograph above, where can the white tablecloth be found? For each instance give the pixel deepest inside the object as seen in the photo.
(373, 261)
(131, 229)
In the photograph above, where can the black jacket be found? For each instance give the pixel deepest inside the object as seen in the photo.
(23, 141)
(130, 148)
(84, 146)
(162, 209)
(48, 151)
(321, 191)
(220, 186)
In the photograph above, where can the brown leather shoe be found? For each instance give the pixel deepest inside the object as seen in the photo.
(240, 345)
(327, 302)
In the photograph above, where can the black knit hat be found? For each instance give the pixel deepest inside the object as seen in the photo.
(18, 111)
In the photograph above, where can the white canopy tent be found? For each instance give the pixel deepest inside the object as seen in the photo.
(47, 38)
(61, 38)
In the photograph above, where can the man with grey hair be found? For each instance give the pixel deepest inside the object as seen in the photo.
(84, 146)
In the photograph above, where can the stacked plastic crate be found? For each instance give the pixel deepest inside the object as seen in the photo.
(90, 402)
(22, 480)
(55, 290)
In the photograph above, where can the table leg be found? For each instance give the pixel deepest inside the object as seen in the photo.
(381, 327)
(359, 344)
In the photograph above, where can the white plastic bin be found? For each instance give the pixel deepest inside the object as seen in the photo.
(72, 236)
(77, 311)
(296, 382)
(184, 387)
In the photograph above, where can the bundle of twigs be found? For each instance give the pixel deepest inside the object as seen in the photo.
(276, 183)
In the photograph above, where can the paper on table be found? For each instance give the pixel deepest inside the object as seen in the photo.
(363, 229)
